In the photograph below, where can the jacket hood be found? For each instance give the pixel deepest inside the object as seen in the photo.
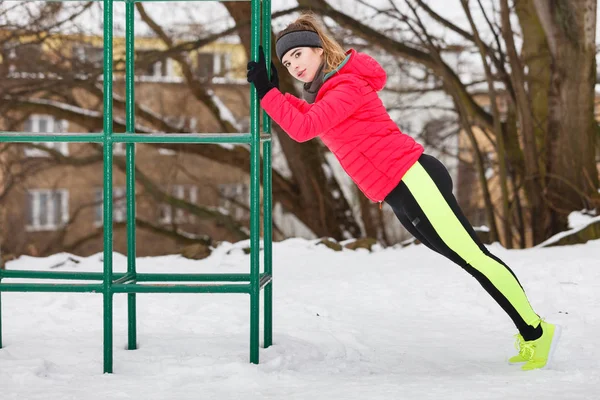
(366, 67)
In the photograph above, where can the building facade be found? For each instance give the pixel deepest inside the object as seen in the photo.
(51, 197)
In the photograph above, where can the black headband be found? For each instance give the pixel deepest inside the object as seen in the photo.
(291, 40)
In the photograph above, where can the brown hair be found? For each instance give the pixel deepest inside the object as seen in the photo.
(333, 53)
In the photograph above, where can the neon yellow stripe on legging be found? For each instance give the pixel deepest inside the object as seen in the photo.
(456, 237)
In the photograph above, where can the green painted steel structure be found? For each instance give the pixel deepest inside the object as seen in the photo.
(107, 282)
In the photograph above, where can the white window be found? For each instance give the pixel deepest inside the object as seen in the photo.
(119, 149)
(188, 193)
(119, 205)
(88, 54)
(233, 197)
(156, 69)
(22, 57)
(47, 209)
(210, 65)
(39, 123)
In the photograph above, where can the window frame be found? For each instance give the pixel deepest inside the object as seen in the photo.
(52, 123)
(34, 207)
(119, 205)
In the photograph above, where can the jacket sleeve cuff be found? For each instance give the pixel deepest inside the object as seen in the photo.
(267, 98)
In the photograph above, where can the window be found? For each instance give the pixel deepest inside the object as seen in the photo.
(87, 54)
(188, 193)
(47, 209)
(46, 124)
(210, 65)
(233, 194)
(120, 149)
(22, 57)
(119, 205)
(157, 69)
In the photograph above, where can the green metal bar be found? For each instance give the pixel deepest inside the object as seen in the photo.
(182, 138)
(254, 193)
(171, 288)
(51, 287)
(267, 191)
(84, 276)
(252, 282)
(28, 137)
(130, 171)
(193, 277)
(107, 196)
(121, 277)
(1, 311)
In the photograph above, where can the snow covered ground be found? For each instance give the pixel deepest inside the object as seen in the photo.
(392, 324)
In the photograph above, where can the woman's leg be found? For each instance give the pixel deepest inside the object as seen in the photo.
(426, 195)
(407, 223)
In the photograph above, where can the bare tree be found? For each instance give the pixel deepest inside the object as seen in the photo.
(554, 168)
(307, 192)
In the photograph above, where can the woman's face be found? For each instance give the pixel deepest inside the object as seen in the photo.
(303, 62)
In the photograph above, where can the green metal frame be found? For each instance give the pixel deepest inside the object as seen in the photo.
(133, 282)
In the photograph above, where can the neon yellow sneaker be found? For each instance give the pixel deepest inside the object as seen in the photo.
(538, 353)
(523, 355)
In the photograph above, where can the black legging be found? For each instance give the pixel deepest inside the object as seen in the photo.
(424, 204)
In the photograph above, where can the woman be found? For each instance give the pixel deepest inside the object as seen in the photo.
(342, 107)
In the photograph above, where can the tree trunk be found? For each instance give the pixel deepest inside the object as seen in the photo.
(498, 131)
(532, 106)
(570, 29)
(317, 206)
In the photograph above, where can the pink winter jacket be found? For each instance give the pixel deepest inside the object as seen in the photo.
(353, 123)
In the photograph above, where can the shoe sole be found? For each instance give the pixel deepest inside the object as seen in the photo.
(516, 363)
(555, 339)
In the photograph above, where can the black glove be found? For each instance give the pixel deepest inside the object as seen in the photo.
(257, 74)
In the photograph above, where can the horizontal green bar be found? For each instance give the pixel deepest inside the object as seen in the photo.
(192, 277)
(49, 287)
(181, 138)
(185, 137)
(122, 277)
(84, 276)
(171, 288)
(28, 137)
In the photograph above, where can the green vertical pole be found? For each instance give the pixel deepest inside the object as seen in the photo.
(0, 314)
(267, 187)
(130, 155)
(107, 192)
(254, 192)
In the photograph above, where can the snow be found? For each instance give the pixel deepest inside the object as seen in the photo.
(61, 106)
(579, 219)
(398, 323)
(577, 222)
